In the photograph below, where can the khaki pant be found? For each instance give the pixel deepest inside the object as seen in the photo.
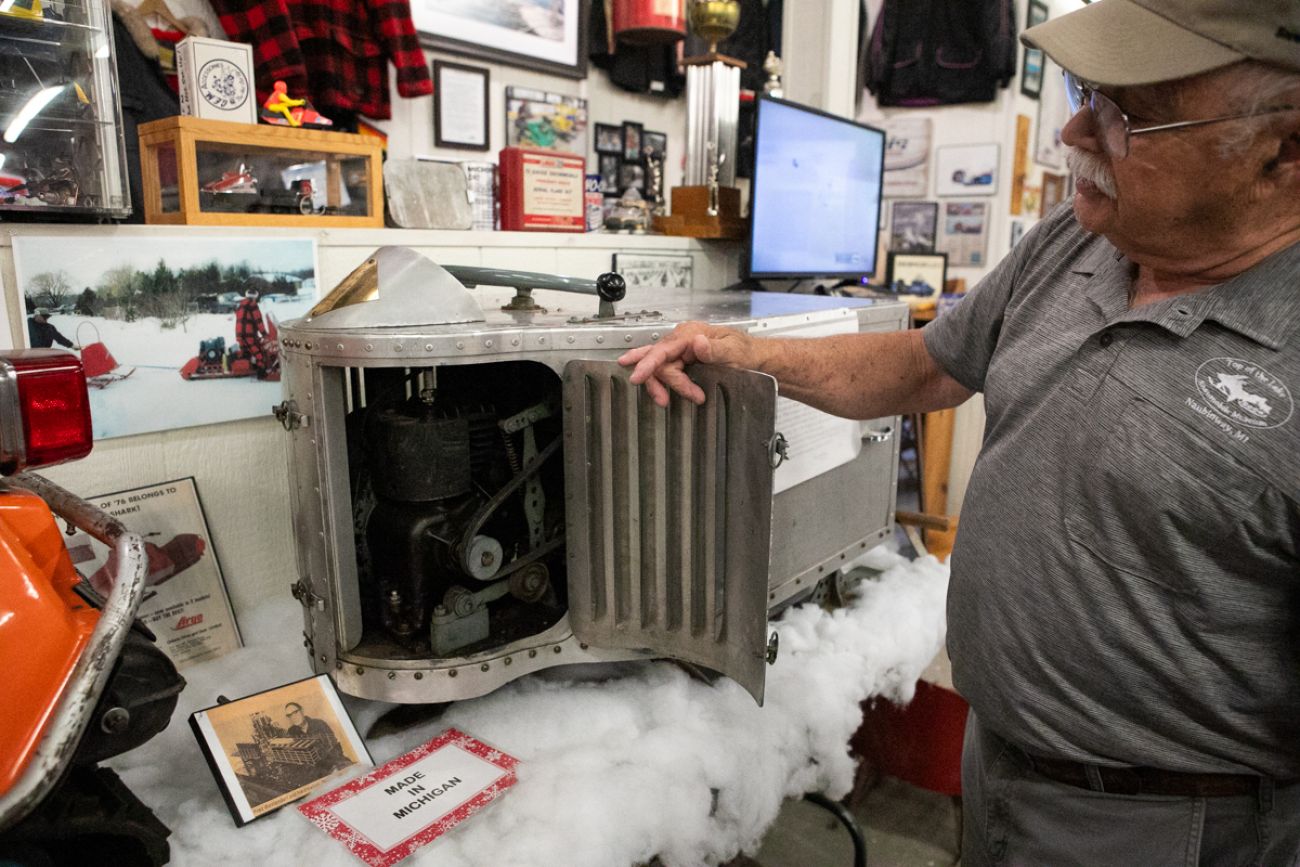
(1014, 816)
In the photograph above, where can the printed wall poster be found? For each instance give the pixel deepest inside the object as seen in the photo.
(538, 119)
(964, 234)
(545, 35)
(173, 331)
(187, 607)
(269, 749)
(907, 157)
(966, 170)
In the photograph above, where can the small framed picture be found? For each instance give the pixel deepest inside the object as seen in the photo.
(610, 166)
(1031, 67)
(916, 273)
(1053, 192)
(632, 134)
(460, 106)
(631, 177)
(966, 170)
(609, 139)
(272, 748)
(656, 270)
(913, 227)
(656, 143)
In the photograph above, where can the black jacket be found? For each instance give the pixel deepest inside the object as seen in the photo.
(941, 52)
(43, 335)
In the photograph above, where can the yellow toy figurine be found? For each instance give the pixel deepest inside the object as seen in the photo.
(283, 110)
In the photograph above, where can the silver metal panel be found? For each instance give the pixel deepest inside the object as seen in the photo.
(411, 290)
(669, 517)
(427, 194)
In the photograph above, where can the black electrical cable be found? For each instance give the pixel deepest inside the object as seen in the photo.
(846, 819)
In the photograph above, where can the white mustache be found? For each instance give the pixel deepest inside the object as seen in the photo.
(1091, 167)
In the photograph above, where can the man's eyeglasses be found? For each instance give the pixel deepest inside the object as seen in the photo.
(1113, 125)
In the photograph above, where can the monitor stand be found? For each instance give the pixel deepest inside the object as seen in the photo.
(748, 284)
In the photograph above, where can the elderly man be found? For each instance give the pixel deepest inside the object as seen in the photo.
(1124, 614)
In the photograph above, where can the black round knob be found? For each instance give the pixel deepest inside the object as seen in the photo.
(611, 286)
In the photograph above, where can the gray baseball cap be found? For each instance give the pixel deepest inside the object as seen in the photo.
(1120, 43)
(42, 311)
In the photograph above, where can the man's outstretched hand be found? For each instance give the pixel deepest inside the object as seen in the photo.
(662, 366)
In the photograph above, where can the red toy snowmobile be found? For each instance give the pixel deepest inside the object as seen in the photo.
(218, 361)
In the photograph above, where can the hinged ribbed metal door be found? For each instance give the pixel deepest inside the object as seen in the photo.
(669, 516)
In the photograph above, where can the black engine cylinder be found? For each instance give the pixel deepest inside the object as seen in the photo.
(416, 457)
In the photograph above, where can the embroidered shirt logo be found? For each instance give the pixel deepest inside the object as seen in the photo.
(223, 84)
(1244, 393)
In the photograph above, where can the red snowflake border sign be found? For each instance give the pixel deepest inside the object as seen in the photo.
(414, 799)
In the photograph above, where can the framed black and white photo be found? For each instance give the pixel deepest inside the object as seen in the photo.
(609, 139)
(542, 35)
(913, 227)
(656, 142)
(274, 747)
(633, 133)
(631, 176)
(655, 270)
(917, 273)
(610, 166)
(966, 170)
(1053, 114)
(460, 106)
(1031, 67)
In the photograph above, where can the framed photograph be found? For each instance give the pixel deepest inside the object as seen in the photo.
(1031, 67)
(656, 270)
(271, 748)
(540, 119)
(966, 170)
(610, 166)
(964, 234)
(543, 35)
(460, 106)
(155, 320)
(657, 142)
(631, 176)
(632, 135)
(917, 273)
(913, 226)
(609, 139)
(1054, 187)
(1053, 112)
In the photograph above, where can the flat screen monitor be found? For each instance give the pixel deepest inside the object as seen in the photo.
(815, 209)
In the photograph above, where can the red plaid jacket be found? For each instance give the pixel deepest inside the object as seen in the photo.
(334, 51)
(248, 324)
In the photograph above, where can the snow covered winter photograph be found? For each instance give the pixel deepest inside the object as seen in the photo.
(171, 332)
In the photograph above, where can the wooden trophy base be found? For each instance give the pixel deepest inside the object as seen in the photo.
(690, 217)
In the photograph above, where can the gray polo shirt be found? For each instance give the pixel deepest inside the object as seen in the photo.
(1126, 577)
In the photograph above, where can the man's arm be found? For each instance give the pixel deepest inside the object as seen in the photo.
(853, 375)
(60, 339)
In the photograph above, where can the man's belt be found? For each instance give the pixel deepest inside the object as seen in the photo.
(1148, 781)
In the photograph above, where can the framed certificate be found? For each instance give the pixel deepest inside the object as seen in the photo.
(460, 106)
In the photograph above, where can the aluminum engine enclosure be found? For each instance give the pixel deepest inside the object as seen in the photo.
(675, 546)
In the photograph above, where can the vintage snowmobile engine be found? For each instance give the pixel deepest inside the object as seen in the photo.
(478, 491)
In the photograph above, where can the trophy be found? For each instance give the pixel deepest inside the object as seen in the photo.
(708, 206)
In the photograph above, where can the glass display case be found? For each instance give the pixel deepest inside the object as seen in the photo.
(220, 173)
(61, 146)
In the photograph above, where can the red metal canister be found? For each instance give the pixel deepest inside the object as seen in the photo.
(649, 22)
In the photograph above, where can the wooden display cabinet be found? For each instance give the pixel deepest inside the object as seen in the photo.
(218, 173)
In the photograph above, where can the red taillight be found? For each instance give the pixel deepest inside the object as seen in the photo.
(44, 391)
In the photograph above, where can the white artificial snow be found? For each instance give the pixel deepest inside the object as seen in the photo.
(619, 763)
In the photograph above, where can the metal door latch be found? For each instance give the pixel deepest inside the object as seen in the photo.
(778, 450)
(879, 436)
(301, 591)
(286, 413)
(773, 647)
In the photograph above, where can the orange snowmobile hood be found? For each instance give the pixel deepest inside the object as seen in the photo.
(44, 626)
